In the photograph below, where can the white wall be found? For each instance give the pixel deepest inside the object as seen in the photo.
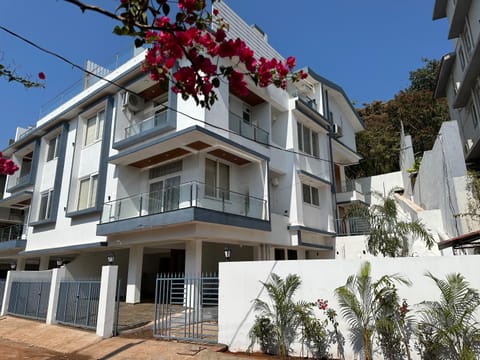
(240, 285)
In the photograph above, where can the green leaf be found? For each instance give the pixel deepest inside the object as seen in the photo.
(216, 82)
(166, 9)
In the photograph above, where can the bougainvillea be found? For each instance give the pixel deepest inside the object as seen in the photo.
(188, 48)
(7, 166)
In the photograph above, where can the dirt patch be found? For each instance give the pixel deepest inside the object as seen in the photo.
(11, 350)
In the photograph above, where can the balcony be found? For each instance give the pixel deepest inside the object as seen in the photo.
(156, 121)
(13, 232)
(242, 128)
(350, 191)
(353, 226)
(145, 129)
(193, 201)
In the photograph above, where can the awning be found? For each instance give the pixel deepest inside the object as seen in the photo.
(465, 241)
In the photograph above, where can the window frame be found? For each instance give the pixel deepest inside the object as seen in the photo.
(219, 192)
(313, 139)
(98, 127)
(91, 194)
(313, 195)
(54, 155)
(48, 194)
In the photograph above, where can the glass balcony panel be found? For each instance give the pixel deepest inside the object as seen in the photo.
(183, 196)
(13, 232)
(157, 121)
(239, 126)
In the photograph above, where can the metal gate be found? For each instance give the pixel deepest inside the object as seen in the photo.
(29, 299)
(78, 303)
(186, 307)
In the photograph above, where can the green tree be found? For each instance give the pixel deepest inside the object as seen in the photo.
(415, 107)
(275, 328)
(388, 234)
(448, 328)
(361, 300)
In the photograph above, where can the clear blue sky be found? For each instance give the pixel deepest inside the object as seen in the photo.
(368, 47)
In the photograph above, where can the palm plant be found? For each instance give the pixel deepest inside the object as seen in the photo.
(388, 235)
(361, 301)
(275, 327)
(448, 328)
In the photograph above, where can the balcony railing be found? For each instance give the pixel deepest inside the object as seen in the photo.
(238, 125)
(353, 226)
(157, 121)
(192, 194)
(13, 232)
(350, 185)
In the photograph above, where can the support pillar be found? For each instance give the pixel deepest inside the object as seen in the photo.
(193, 257)
(44, 260)
(134, 279)
(193, 270)
(106, 301)
(57, 276)
(20, 264)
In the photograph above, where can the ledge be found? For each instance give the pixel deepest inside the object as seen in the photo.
(83, 212)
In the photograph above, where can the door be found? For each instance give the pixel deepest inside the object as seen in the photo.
(164, 195)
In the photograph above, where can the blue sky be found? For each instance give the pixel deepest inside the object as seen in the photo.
(368, 47)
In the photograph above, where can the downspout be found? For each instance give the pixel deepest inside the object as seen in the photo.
(332, 165)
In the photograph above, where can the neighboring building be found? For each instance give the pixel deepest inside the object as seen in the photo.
(459, 73)
(167, 188)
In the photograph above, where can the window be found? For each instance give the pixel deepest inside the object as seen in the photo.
(45, 205)
(87, 193)
(310, 195)
(307, 140)
(94, 128)
(461, 56)
(52, 148)
(246, 114)
(217, 179)
(467, 38)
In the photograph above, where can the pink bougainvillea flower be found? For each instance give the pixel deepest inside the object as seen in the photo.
(41, 75)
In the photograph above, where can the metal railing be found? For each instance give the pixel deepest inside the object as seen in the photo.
(186, 307)
(156, 121)
(2, 290)
(353, 226)
(78, 303)
(238, 125)
(119, 58)
(351, 185)
(13, 232)
(191, 194)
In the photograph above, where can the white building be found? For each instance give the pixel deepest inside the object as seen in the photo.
(459, 74)
(166, 189)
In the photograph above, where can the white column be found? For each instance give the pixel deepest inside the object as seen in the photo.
(44, 262)
(193, 257)
(20, 264)
(106, 301)
(6, 294)
(57, 276)
(134, 279)
(193, 269)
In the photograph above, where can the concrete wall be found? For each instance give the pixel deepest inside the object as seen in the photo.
(240, 285)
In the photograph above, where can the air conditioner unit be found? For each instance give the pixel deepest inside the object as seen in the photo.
(337, 131)
(133, 102)
(468, 145)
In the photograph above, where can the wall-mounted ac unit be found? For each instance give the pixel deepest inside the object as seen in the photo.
(337, 131)
(468, 145)
(133, 102)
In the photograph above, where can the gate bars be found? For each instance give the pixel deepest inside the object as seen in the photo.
(186, 307)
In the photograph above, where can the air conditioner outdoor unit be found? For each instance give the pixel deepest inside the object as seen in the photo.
(133, 102)
(337, 131)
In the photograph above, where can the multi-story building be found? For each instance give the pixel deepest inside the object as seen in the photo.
(459, 74)
(136, 171)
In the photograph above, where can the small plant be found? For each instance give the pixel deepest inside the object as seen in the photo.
(448, 328)
(275, 328)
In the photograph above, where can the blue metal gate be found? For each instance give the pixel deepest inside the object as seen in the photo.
(186, 307)
(78, 303)
(29, 299)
